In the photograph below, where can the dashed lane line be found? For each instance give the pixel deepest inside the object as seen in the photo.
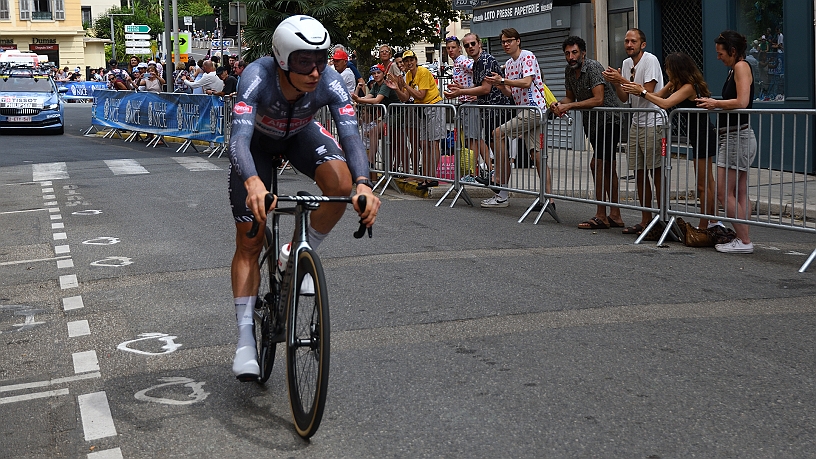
(97, 421)
(50, 382)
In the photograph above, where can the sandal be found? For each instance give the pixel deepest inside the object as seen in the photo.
(637, 229)
(593, 223)
(614, 224)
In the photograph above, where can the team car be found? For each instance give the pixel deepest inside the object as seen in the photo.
(30, 100)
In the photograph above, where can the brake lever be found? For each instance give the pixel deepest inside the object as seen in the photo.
(361, 201)
(255, 225)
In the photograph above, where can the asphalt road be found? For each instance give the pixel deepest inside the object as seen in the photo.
(455, 332)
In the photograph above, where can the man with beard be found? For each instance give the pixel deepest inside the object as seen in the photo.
(587, 88)
(645, 147)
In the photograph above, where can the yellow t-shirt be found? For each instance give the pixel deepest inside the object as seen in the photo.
(424, 80)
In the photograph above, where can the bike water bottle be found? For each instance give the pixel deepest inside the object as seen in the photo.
(283, 257)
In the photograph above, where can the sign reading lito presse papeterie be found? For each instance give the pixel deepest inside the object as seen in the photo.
(512, 11)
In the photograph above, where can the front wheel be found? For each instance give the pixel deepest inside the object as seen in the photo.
(307, 353)
(264, 305)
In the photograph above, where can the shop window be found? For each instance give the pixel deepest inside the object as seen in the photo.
(761, 23)
(4, 10)
(619, 23)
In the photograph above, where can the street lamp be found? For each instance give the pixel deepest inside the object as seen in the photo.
(113, 36)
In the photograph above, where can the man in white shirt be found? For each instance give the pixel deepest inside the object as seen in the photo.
(210, 82)
(340, 60)
(646, 131)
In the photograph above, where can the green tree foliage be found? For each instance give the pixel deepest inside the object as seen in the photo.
(140, 15)
(263, 16)
(194, 8)
(399, 23)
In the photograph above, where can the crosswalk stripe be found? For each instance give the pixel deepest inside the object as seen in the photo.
(196, 164)
(49, 171)
(125, 167)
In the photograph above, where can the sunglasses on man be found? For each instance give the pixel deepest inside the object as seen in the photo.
(469, 45)
(303, 62)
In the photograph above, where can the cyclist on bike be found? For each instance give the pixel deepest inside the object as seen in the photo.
(273, 118)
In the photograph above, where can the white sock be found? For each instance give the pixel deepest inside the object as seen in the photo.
(316, 237)
(244, 307)
(503, 194)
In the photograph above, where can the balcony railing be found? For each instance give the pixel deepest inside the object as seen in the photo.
(42, 16)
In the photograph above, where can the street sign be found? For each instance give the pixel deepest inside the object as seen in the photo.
(184, 42)
(228, 43)
(137, 51)
(137, 43)
(465, 4)
(188, 20)
(237, 13)
(136, 28)
(137, 36)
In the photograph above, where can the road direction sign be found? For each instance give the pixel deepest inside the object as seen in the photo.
(137, 43)
(188, 20)
(137, 36)
(184, 42)
(136, 28)
(138, 51)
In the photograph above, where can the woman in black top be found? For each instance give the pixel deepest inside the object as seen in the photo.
(685, 85)
(738, 144)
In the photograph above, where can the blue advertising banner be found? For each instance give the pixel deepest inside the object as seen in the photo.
(81, 89)
(190, 116)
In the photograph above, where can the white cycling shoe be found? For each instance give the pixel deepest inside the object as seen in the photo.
(307, 285)
(245, 364)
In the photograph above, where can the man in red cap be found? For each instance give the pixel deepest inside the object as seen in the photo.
(340, 60)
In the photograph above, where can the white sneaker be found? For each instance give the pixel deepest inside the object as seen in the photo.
(735, 246)
(307, 285)
(245, 364)
(495, 201)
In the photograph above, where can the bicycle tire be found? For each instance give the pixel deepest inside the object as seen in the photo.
(264, 306)
(307, 351)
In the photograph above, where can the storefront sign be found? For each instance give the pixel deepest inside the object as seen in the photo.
(43, 47)
(45, 41)
(511, 11)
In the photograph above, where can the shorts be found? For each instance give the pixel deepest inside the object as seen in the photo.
(645, 147)
(493, 118)
(432, 123)
(737, 149)
(527, 123)
(604, 142)
(471, 121)
(306, 150)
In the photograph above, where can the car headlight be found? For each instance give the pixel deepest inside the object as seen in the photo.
(51, 106)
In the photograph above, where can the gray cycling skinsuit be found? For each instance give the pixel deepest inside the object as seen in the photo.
(266, 126)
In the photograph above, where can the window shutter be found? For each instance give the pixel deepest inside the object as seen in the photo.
(25, 10)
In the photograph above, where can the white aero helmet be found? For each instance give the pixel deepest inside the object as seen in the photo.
(298, 33)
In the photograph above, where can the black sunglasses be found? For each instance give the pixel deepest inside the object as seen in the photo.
(305, 61)
(468, 45)
(632, 76)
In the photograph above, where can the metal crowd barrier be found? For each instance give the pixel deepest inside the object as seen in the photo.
(414, 151)
(775, 194)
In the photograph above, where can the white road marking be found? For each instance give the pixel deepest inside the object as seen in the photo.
(72, 302)
(49, 171)
(114, 453)
(125, 167)
(102, 240)
(32, 396)
(78, 328)
(51, 203)
(197, 395)
(48, 190)
(46, 183)
(68, 281)
(97, 421)
(53, 210)
(60, 236)
(50, 382)
(22, 262)
(62, 249)
(49, 196)
(69, 263)
(113, 262)
(85, 361)
(87, 212)
(20, 211)
(194, 164)
(56, 217)
(169, 346)
(59, 225)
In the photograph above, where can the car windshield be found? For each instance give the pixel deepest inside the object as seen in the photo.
(11, 83)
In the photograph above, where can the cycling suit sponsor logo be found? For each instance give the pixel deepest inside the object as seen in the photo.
(347, 110)
(252, 86)
(338, 88)
(241, 108)
(328, 134)
(281, 124)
